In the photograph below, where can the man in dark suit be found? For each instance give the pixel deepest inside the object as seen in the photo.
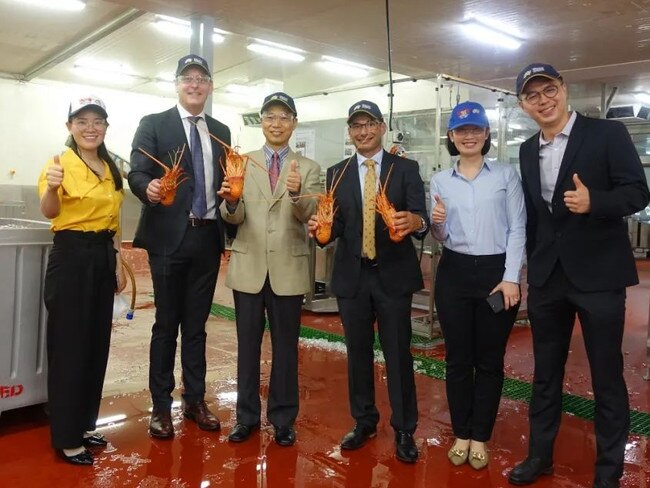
(581, 177)
(374, 277)
(184, 240)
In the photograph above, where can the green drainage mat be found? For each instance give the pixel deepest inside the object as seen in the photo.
(435, 368)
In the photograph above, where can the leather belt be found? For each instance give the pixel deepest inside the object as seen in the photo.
(194, 222)
(368, 262)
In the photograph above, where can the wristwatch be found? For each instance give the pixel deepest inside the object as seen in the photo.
(423, 225)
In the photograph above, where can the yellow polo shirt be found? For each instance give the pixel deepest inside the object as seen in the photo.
(88, 204)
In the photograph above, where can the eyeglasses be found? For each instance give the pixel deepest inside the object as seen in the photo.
(469, 130)
(97, 124)
(199, 80)
(273, 118)
(534, 97)
(371, 125)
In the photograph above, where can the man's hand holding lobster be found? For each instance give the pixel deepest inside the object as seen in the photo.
(153, 191)
(224, 192)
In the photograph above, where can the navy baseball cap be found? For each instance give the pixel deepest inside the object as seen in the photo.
(279, 98)
(192, 60)
(468, 113)
(532, 71)
(365, 107)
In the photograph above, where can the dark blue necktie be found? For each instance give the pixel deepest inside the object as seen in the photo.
(199, 203)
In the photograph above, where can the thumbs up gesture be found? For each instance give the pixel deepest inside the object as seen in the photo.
(439, 212)
(577, 201)
(54, 175)
(293, 178)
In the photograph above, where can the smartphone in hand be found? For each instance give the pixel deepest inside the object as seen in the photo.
(496, 302)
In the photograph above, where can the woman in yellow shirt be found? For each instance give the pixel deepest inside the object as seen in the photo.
(81, 192)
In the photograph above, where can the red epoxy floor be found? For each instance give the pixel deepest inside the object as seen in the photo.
(198, 459)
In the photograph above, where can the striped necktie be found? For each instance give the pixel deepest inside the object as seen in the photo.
(199, 201)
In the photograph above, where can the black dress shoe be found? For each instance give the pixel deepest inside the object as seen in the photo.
(241, 432)
(358, 436)
(201, 414)
(95, 440)
(405, 449)
(529, 470)
(84, 458)
(285, 436)
(160, 425)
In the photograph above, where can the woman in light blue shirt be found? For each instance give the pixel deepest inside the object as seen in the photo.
(478, 214)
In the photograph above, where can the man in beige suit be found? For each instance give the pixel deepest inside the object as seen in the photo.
(269, 269)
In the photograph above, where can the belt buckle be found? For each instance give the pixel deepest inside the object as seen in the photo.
(194, 222)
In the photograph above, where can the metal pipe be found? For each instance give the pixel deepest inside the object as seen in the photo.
(202, 45)
(477, 84)
(502, 132)
(437, 127)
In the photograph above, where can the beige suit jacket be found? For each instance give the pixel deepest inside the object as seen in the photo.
(271, 236)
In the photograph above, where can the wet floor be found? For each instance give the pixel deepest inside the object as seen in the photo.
(194, 458)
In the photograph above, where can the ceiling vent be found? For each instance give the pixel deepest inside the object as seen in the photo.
(629, 112)
(252, 119)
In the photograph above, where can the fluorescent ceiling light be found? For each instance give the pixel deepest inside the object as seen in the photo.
(105, 71)
(492, 32)
(182, 28)
(284, 47)
(343, 67)
(275, 52)
(68, 5)
(345, 62)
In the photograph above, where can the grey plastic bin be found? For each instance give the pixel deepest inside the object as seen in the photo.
(24, 250)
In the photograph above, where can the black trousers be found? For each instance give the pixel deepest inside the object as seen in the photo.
(79, 289)
(552, 309)
(284, 321)
(393, 316)
(475, 340)
(184, 284)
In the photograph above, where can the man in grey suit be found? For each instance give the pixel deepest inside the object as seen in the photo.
(184, 240)
(269, 268)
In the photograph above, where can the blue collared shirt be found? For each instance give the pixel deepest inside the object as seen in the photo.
(268, 155)
(551, 154)
(363, 169)
(485, 215)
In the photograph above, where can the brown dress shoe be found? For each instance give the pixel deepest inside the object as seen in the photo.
(199, 413)
(160, 425)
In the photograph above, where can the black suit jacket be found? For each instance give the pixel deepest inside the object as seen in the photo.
(161, 229)
(398, 265)
(593, 249)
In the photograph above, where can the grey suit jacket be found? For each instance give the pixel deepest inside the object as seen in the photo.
(271, 236)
